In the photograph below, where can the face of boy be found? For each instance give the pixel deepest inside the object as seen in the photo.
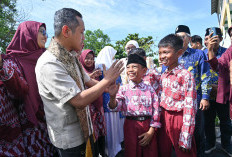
(135, 72)
(169, 57)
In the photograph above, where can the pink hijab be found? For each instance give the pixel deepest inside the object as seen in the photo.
(82, 60)
(25, 49)
(99, 101)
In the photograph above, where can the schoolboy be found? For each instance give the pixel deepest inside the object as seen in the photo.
(178, 102)
(139, 103)
(152, 76)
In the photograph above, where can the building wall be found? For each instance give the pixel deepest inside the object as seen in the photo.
(224, 15)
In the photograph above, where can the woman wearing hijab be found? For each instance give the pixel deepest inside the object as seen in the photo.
(96, 108)
(26, 47)
(114, 122)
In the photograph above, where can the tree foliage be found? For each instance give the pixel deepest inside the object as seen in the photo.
(96, 40)
(146, 43)
(7, 22)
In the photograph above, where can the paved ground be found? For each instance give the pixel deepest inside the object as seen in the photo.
(218, 152)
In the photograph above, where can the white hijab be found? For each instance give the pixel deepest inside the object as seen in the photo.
(132, 42)
(105, 56)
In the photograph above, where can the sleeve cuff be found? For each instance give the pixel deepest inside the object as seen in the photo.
(70, 94)
(155, 124)
(185, 140)
(112, 110)
(204, 96)
(213, 62)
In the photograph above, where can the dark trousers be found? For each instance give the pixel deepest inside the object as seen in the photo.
(223, 112)
(99, 147)
(78, 151)
(199, 133)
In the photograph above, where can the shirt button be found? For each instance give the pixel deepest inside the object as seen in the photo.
(71, 90)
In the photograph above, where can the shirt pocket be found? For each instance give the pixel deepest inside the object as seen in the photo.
(70, 116)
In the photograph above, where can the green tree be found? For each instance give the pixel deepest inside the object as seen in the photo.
(147, 43)
(96, 40)
(7, 22)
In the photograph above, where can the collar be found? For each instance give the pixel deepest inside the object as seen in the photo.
(60, 51)
(203, 48)
(133, 85)
(188, 50)
(147, 72)
(219, 52)
(174, 71)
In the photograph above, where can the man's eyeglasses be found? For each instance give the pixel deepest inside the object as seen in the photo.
(43, 32)
(182, 36)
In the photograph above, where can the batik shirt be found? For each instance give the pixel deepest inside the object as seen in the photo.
(152, 77)
(179, 94)
(12, 89)
(194, 61)
(214, 75)
(139, 100)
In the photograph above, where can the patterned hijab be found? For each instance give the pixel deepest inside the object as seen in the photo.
(26, 51)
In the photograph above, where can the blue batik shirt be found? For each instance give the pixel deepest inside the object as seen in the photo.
(214, 75)
(194, 61)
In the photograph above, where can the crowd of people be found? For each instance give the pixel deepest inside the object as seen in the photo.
(65, 101)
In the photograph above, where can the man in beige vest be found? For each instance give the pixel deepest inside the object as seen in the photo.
(61, 82)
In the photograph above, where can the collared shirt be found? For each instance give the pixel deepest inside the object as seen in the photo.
(152, 77)
(56, 88)
(203, 48)
(139, 100)
(194, 61)
(179, 94)
(214, 75)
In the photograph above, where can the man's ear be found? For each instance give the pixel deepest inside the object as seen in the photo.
(65, 31)
(190, 39)
(144, 70)
(180, 52)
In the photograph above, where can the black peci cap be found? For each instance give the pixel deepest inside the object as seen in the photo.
(182, 28)
(134, 58)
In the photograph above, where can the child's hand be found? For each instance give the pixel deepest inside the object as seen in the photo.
(113, 89)
(146, 137)
(184, 149)
(95, 74)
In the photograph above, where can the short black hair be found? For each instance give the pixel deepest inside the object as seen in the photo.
(173, 41)
(196, 38)
(66, 16)
(139, 51)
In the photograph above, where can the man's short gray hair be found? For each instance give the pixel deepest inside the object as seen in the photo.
(66, 16)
